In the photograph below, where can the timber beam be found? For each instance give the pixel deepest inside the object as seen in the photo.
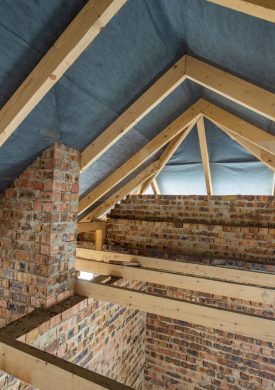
(46, 371)
(75, 39)
(223, 83)
(122, 192)
(261, 279)
(226, 320)
(186, 282)
(185, 120)
(263, 9)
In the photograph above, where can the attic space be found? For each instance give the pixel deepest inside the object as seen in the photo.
(137, 194)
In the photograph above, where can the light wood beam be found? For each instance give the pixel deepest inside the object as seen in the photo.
(99, 239)
(232, 290)
(263, 9)
(204, 156)
(122, 192)
(46, 371)
(154, 145)
(238, 126)
(90, 227)
(266, 158)
(75, 39)
(231, 87)
(155, 187)
(224, 83)
(261, 279)
(167, 154)
(141, 107)
(228, 321)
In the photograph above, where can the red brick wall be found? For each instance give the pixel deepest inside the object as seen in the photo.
(181, 355)
(103, 337)
(238, 233)
(240, 229)
(38, 216)
(218, 241)
(38, 222)
(237, 210)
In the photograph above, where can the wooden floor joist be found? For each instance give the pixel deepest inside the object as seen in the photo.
(263, 9)
(210, 286)
(228, 321)
(260, 279)
(46, 371)
(75, 39)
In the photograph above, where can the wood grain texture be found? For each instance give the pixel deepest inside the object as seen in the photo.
(65, 51)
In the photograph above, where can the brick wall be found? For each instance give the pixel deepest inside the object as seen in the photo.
(38, 215)
(188, 226)
(235, 233)
(86, 240)
(103, 337)
(38, 222)
(181, 355)
(236, 210)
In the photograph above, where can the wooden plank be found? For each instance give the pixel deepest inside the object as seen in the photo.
(265, 157)
(155, 187)
(263, 9)
(90, 227)
(160, 140)
(228, 321)
(166, 84)
(238, 126)
(46, 371)
(204, 156)
(210, 286)
(102, 279)
(74, 40)
(232, 87)
(261, 279)
(166, 155)
(122, 192)
(99, 240)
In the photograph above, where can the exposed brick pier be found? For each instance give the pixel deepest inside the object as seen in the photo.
(38, 222)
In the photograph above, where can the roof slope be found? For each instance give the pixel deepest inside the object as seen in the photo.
(135, 48)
